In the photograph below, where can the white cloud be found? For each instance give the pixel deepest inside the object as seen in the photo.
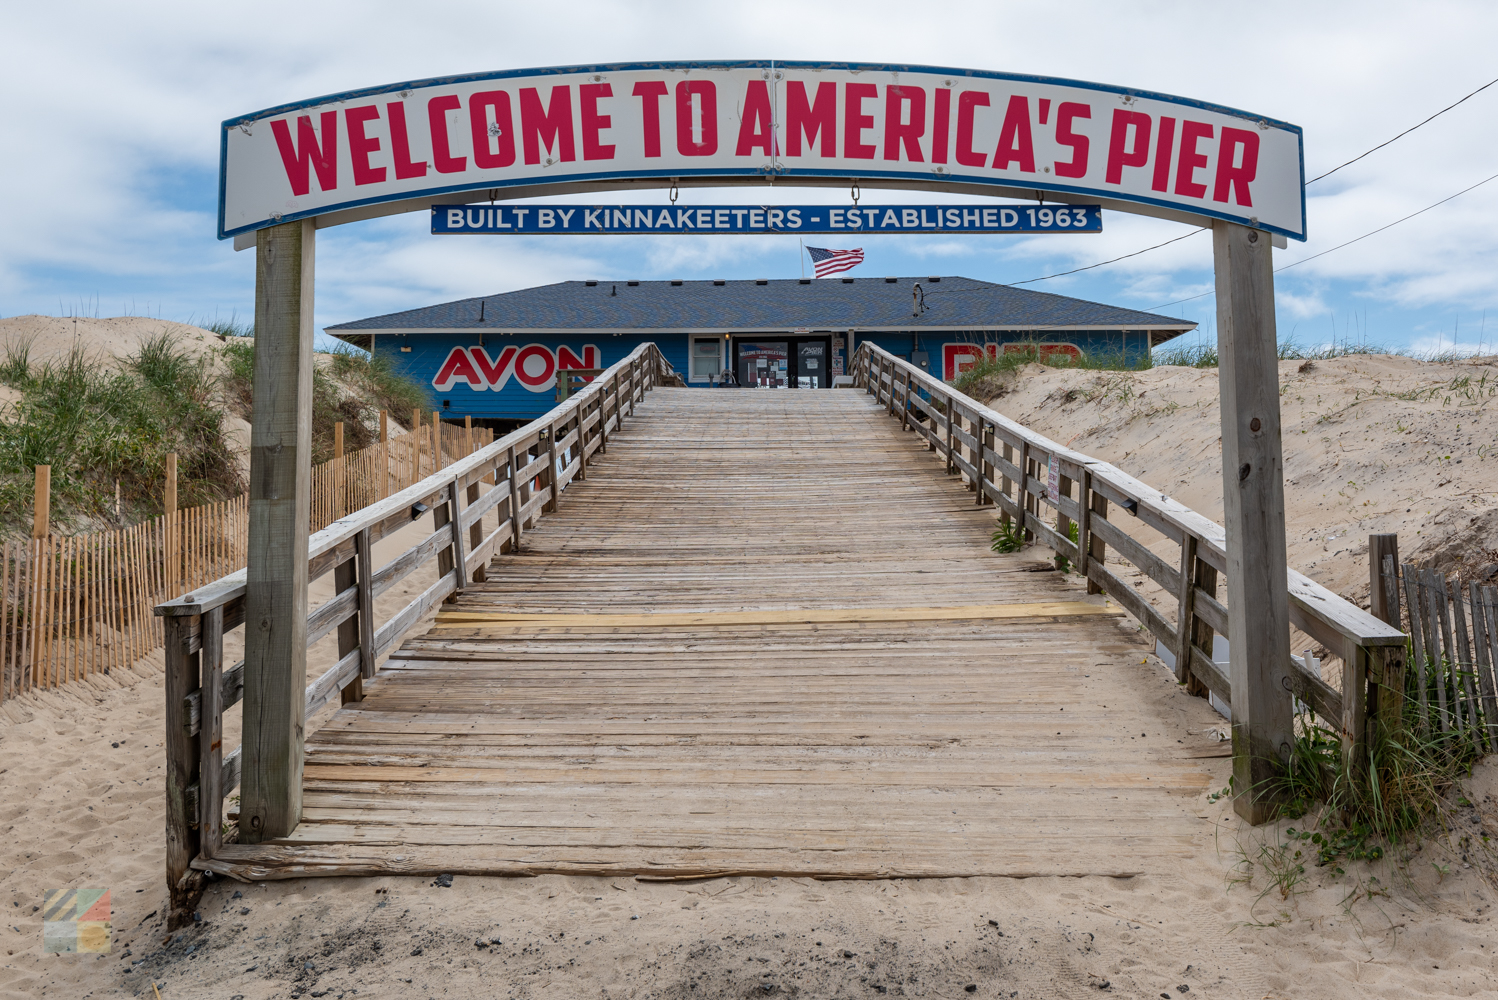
(112, 112)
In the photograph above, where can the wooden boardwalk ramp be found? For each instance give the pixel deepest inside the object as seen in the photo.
(766, 635)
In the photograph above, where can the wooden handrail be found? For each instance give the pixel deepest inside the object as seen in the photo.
(547, 454)
(1371, 650)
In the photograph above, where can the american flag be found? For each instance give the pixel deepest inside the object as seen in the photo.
(832, 261)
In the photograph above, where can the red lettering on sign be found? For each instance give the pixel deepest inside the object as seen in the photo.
(1015, 143)
(1065, 136)
(437, 109)
(1045, 110)
(855, 121)
(593, 122)
(551, 126)
(496, 374)
(400, 144)
(458, 366)
(755, 130)
(958, 358)
(491, 151)
(707, 99)
(567, 361)
(361, 145)
(941, 126)
(1238, 176)
(1120, 153)
(1190, 160)
(897, 131)
(544, 370)
(966, 102)
(1163, 145)
(306, 152)
(650, 94)
(819, 118)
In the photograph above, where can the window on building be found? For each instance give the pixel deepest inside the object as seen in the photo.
(706, 358)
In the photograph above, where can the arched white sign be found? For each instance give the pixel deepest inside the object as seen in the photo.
(521, 133)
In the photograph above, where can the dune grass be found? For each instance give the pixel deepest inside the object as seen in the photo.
(351, 387)
(97, 424)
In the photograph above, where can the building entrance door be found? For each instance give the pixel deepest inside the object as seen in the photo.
(811, 364)
(792, 363)
(763, 364)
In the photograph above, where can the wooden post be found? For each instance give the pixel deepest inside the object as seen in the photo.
(182, 768)
(1063, 523)
(339, 480)
(436, 440)
(384, 490)
(515, 494)
(41, 521)
(211, 735)
(345, 575)
(1254, 514)
(416, 432)
(1186, 609)
(280, 497)
(1379, 597)
(172, 550)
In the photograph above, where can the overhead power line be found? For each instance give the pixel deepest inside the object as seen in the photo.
(1313, 180)
(1115, 260)
(1401, 135)
(1355, 239)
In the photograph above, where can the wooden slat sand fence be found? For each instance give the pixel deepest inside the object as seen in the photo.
(78, 605)
(81, 604)
(1454, 635)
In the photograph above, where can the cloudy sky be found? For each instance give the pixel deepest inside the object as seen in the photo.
(111, 116)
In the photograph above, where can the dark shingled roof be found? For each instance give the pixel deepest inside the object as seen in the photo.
(872, 304)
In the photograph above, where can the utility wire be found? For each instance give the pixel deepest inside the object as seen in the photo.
(1115, 260)
(1350, 242)
(1313, 180)
(1401, 135)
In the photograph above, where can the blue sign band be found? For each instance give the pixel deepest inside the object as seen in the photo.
(599, 220)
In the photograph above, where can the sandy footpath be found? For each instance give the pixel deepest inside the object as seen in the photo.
(81, 803)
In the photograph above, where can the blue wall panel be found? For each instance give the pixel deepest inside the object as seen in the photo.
(513, 377)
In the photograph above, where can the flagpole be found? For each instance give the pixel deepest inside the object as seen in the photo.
(801, 257)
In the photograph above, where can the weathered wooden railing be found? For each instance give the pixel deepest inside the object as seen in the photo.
(526, 471)
(1010, 465)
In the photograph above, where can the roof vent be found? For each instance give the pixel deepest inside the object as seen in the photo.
(631, 284)
(805, 281)
(590, 284)
(934, 278)
(847, 281)
(890, 281)
(678, 283)
(761, 281)
(719, 281)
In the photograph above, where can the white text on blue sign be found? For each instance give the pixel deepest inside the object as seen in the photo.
(534, 219)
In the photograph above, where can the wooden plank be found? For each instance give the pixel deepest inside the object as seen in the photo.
(997, 612)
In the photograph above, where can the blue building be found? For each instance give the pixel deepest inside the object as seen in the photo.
(496, 357)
